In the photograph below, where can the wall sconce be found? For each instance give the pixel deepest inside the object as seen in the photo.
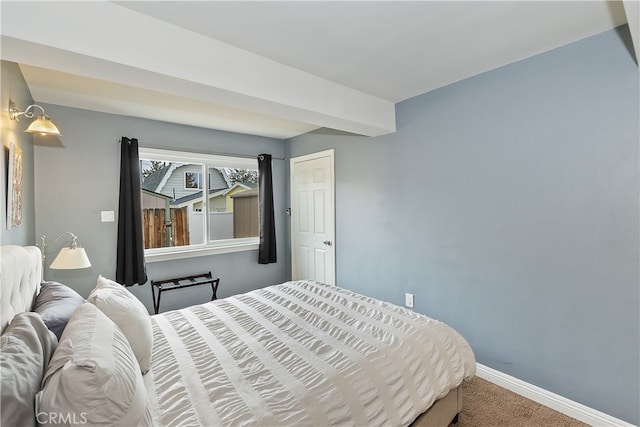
(69, 258)
(42, 124)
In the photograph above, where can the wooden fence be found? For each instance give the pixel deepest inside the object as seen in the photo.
(155, 228)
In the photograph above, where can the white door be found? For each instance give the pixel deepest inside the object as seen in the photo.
(313, 218)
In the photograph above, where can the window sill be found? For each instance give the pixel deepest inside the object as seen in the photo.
(155, 255)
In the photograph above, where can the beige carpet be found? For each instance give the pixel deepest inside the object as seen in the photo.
(488, 405)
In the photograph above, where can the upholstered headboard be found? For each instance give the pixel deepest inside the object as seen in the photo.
(20, 277)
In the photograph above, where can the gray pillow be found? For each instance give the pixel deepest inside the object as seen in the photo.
(26, 346)
(55, 304)
(94, 375)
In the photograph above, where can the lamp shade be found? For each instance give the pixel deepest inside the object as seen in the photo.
(71, 259)
(44, 126)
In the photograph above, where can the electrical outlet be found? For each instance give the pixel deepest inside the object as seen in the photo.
(408, 300)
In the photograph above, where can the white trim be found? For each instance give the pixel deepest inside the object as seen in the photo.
(247, 244)
(313, 156)
(165, 178)
(561, 404)
(211, 160)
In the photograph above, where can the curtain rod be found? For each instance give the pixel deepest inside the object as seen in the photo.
(213, 153)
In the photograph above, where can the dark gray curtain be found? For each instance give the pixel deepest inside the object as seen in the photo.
(267, 249)
(130, 265)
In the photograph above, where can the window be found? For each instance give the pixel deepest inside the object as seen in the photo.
(192, 180)
(184, 214)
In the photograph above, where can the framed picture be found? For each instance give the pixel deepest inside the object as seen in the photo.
(14, 187)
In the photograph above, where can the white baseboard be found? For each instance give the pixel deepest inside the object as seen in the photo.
(561, 404)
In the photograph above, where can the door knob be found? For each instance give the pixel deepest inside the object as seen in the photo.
(327, 242)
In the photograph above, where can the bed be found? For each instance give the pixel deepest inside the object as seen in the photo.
(298, 353)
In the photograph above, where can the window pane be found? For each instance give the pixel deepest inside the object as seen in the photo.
(192, 180)
(178, 212)
(172, 209)
(233, 203)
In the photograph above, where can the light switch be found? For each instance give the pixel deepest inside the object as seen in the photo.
(107, 216)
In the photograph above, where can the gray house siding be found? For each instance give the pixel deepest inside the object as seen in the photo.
(175, 184)
(218, 204)
(216, 180)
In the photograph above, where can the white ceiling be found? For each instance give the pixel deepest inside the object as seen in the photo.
(279, 69)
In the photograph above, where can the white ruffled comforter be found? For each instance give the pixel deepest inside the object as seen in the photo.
(300, 353)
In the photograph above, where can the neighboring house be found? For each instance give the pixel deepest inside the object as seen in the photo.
(153, 200)
(179, 187)
(179, 180)
(220, 200)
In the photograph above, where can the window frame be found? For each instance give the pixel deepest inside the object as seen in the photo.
(209, 247)
(198, 180)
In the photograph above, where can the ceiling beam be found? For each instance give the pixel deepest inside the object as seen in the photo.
(123, 46)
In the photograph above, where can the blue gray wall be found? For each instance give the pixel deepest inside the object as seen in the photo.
(508, 205)
(14, 88)
(75, 182)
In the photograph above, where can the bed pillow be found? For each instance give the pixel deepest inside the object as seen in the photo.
(25, 349)
(55, 304)
(93, 377)
(131, 316)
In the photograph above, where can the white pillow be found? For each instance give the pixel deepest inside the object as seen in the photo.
(93, 377)
(131, 316)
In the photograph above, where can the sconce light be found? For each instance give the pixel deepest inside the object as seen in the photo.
(42, 124)
(69, 258)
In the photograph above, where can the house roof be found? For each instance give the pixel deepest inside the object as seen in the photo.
(249, 193)
(225, 175)
(212, 193)
(195, 196)
(153, 193)
(155, 180)
(248, 184)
